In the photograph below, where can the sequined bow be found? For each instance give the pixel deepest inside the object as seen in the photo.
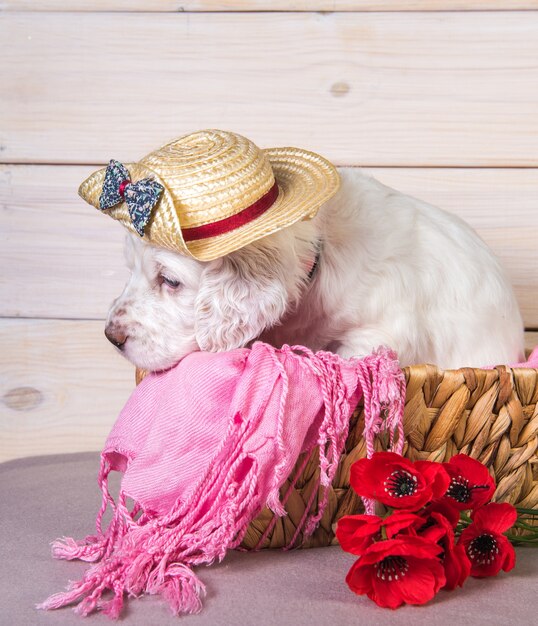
(140, 197)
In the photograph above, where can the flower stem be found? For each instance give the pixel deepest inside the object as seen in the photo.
(527, 521)
(516, 539)
(524, 516)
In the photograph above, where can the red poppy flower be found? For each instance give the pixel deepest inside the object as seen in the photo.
(398, 571)
(439, 522)
(471, 485)
(395, 481)
(455, 562)
(444, 508)
(457, 566)
(487, 548)
(356, 533)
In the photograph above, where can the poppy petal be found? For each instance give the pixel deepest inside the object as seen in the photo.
(457, 567)
(508, 561)
(400, 520)
(423, 580)
(356, 532)
(496, 517)
(358, 578)
(436, 476)
(385, 594)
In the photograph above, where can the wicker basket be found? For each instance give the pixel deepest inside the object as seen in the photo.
(491, 415)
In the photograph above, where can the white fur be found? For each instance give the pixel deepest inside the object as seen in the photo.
(393, 270)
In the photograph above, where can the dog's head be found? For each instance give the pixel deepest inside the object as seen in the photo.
(173, 305)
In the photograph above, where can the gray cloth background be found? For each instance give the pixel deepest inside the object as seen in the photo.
(46, 497)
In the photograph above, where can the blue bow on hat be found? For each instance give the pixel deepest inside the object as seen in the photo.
(140, 197)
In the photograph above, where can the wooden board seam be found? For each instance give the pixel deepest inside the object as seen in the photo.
(450, 109)
(70, 10)
(102, 319)
(335, 162)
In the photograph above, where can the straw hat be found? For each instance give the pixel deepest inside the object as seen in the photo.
(212, 192)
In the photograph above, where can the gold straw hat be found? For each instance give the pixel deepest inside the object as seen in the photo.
(212, 192)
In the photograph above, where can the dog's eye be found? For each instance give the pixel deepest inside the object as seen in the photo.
(169, 282)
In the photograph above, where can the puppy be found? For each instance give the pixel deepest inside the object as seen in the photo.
(374, 267)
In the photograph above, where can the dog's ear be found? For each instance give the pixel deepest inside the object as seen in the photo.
(240, 295)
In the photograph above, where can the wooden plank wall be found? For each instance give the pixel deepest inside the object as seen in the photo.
(438, 98)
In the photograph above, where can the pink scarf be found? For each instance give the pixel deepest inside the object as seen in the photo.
(203, 447)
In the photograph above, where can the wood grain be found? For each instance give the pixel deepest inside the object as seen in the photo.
(454, 88)
(429, 91)
(62, 386)
(265, 5)
(59, 258)
(531, 339)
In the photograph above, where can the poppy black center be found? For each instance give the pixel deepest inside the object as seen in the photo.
(459, 490)
(483, 549)
(391, 568)
(401, 483)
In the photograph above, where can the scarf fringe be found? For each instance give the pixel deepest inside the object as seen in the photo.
(332, 435)
(155, 555)
(383, 387)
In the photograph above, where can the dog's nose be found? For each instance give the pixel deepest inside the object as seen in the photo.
(116, 336)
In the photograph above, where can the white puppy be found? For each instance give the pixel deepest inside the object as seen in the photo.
(373, 267)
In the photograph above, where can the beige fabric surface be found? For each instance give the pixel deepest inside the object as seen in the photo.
(46, 497)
